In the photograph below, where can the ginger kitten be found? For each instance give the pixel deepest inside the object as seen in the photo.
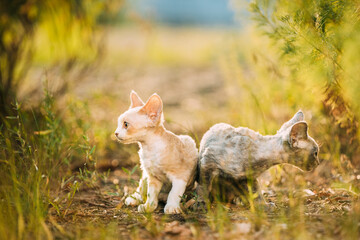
(165, 158)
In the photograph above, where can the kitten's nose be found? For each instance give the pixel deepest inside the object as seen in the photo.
(116, 134)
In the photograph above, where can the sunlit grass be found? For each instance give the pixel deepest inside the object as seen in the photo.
(35, 153)
(37, 148)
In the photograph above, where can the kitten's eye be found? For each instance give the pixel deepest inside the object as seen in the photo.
(126, 124)
(316, 154)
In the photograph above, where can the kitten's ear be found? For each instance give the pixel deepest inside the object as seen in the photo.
(298, 117)
(298, 132)
(153, 108)
(135, 100)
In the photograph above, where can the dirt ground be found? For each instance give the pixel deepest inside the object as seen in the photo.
(99, 209)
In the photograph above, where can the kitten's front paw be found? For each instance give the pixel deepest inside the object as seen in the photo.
(172, 209)
(146, 208)
(131, 201)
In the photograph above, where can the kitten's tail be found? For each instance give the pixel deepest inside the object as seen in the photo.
(197, 171)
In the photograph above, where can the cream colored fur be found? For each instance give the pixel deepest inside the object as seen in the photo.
(165, 158)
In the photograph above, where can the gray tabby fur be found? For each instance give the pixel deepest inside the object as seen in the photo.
(233, 156)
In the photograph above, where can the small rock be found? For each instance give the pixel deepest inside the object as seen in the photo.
(282, 226)
(243, 228)
(346, 208)
(176, 228)
(308, 193)
(330, 191)
(115, 163)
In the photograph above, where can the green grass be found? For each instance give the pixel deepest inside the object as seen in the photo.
(36, 152)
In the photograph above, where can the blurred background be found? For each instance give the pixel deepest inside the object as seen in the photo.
(67, 69)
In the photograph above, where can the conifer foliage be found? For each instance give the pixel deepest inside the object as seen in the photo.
(317, 35)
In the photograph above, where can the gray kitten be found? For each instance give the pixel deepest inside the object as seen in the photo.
(231, 158)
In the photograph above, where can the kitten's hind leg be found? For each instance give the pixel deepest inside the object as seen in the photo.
(203, 189)
(244, 191)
